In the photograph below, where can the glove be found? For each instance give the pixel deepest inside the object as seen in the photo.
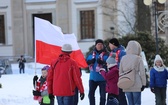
(92, 61)
(152, 90)
(35, 78)
(36, 93)
(99, 61)
(142, 88)
(82, 95)
(51, 96)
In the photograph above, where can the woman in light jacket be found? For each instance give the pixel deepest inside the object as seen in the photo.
(132, 60)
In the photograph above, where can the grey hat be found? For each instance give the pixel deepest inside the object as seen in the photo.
(111, 59)
(66, 48)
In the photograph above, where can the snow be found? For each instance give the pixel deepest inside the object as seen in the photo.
(17, 88)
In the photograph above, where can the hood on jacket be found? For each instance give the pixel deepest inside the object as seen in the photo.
(133, 47)
(63, 57)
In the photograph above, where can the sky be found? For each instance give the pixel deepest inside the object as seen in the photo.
(17, 88)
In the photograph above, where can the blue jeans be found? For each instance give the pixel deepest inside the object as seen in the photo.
(92, 88)
(65, 100)
(134, 98)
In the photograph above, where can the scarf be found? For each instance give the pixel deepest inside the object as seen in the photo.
(111, 65)
(41, 85)
(98, 65)
(159, 69)
(117, 55)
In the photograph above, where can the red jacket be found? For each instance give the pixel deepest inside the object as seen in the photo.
(64, 77)
(111, 78)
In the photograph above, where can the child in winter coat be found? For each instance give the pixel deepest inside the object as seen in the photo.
(111, 78)
(41, 93)
(158, 80)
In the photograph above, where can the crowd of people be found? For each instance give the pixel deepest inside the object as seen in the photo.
(107, 70)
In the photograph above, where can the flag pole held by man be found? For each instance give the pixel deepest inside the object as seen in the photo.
(49, 47)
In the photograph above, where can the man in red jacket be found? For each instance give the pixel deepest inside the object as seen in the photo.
(63, 77)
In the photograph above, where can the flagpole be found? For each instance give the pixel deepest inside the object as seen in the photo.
(35, 59)
(35, 46)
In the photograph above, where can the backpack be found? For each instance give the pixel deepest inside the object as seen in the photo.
(126, 79)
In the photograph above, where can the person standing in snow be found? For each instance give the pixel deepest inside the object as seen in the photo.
(119, 50)
(64, 76)
(40, 93)
(111, 78)
(96, 60)
(21, 61)
(133, 61)
(158, 80)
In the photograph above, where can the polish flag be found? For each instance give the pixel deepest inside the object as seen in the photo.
(49, 40)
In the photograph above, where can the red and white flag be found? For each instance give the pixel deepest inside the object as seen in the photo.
(49, 40)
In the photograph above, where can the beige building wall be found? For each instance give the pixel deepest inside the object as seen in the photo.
(18, 27)
(109, 18)
(65, 13)
(5, 9)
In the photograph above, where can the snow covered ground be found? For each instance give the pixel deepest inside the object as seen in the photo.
(17, 88)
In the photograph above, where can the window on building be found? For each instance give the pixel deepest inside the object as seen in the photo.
(161, 18)
(2, 29)
(87, 24)
(81, 1)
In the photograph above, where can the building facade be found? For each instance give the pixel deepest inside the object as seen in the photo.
(87, 19)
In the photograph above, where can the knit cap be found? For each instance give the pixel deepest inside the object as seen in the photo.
(66, 48)
(111, 59)
(157, 57)
(99, 41)
(45, 68)
(114, 41)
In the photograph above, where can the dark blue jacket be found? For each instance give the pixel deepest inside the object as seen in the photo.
(121, 54)
(158, 79)
(96, 76)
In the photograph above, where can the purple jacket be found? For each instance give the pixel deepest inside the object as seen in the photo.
(111, 78)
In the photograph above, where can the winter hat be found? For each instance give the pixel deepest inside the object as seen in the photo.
(66, 48)
(114, 41)
(159, 68)
(111, 59)
(157, 57)
(99, 41)
(45, 68)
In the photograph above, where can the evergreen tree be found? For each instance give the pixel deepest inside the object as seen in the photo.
(148, 44)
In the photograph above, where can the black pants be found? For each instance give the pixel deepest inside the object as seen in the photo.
(76, 96)
(22, 70)
(160, 95)
(112, 99)
(122, 97)
(92, 88)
